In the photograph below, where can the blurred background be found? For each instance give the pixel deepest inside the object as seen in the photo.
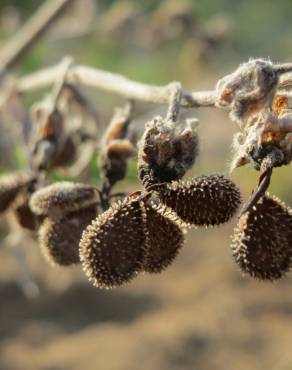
(201, 313)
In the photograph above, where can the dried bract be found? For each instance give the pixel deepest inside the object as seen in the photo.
(63, 197)
(112, 248)
(202, 201)
(23, 214)
(247, 90)
(167, 150)
(59, 238)
(262, 240)
(48, 139)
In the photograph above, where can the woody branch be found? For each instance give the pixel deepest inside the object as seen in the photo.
(120, 85)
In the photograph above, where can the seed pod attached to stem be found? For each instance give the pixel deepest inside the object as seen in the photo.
(115, 152)
(201, 201)
(59, 237)
(164, 239)
(262, 241)
(112, 248)
(168, 148)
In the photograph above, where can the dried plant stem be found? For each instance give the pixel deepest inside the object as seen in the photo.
(115, 83)
(174, 102)
(31, 32)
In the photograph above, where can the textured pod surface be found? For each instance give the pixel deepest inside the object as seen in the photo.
(164, 240)
(167, 150)
(262, 242)
(59, 238)
(63, 197)
(202, 201)
(23, 214)
(112, 248)
(11, 185)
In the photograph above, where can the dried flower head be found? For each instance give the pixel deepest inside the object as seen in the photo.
(11, 185)
(63, 197)
(247, 90)
(112, 248)
(201, 201)
(167, 150)
(263, 136)
(59, 237)
(164, 239)
(262, 241)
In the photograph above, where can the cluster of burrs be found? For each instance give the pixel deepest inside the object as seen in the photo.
(145, 231)
(257, 97)
(59, 212)
(114, 239)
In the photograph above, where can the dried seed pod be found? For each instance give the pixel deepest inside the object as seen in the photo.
(63, 197)
(201, 201)
(119, 124)
(164, 239)
(48, 138)
(59, 237)
(113, 160)
(262, 241)
(167, 150)
(112, 248)
(11, 185)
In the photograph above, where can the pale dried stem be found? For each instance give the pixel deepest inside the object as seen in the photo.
(174, 102)
(116, 84)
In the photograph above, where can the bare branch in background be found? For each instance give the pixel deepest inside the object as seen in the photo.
(31, 31)
(114, 83)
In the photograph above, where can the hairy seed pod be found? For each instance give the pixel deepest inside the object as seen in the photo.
(112, 248)
(167, 150)
(164, 240)
(59, 238)
(262, 241)
(202, 201)
(63, 197)
(11, 185)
